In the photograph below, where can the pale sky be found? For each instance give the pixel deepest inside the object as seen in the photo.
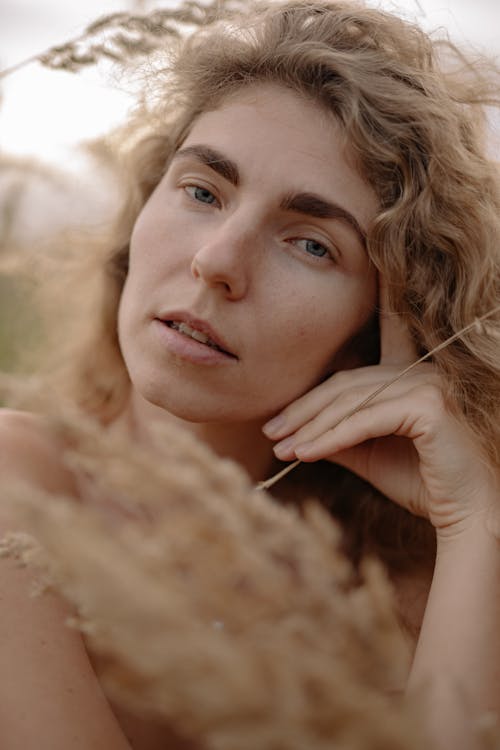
(44, 110)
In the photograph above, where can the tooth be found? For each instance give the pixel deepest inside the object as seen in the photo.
(199, 336)
(192, 333)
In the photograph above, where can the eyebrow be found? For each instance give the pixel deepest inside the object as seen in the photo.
(314, 205)
(309, 204)
(213, 159)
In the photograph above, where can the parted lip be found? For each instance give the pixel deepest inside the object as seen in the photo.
(180, 316)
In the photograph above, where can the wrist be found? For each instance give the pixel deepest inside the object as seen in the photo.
(478, 513)
(479, 530)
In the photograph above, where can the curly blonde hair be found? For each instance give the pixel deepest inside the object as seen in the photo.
(413, 110)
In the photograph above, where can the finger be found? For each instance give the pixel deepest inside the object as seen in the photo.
(343, 402)
(396, 344)
(375, 421)
(308, 406)
(301, 410)
(325, 420)
(328, 419)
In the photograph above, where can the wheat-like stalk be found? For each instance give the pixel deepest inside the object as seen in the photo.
(477, 323)
(119, 37)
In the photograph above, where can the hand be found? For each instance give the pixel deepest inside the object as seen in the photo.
(405, 442)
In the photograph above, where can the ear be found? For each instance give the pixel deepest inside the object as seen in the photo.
(360, 350)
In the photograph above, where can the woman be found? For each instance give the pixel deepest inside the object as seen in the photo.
(315, 209)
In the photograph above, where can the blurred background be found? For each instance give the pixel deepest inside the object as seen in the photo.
(43, 111)
(47, 179)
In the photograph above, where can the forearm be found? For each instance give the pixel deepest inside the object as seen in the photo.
(456, 665)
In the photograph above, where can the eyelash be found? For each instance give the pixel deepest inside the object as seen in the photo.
(328, 254)
(195, 188)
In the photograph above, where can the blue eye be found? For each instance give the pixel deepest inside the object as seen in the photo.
(314, 248)
(201, 194)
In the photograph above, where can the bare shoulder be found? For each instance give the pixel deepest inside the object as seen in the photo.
(29, 449)
(52, 698)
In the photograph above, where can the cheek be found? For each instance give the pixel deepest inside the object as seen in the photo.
(126, 311)
(157, 248)
(320, 327)
(304, 353)
(145, 238)
(303, 330)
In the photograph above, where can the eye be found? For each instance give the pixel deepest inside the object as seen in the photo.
(314, 248)
(201, 194)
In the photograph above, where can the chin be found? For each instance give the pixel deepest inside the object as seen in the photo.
(199, 408)
(197, 402)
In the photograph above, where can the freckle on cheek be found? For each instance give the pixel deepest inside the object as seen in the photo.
(304, 332)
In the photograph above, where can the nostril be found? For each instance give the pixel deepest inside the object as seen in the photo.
(222, 262)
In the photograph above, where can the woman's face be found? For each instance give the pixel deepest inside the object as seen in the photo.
(248, 272)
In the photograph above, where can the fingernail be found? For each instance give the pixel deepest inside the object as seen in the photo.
(274, 425)
(304, 450)
(281, 449)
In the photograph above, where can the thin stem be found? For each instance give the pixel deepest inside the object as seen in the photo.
(38, 57)
(13, 68)
(265, 485)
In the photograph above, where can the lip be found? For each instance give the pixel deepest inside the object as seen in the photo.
(200, 325)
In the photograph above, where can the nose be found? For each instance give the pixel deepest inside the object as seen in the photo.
(225, 258)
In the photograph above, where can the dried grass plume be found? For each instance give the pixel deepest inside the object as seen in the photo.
(209, 607)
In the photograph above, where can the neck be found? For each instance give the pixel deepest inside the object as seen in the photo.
(242, 442)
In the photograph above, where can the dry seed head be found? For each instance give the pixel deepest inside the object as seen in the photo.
(301, 658)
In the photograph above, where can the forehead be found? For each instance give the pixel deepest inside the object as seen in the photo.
(281, 139)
